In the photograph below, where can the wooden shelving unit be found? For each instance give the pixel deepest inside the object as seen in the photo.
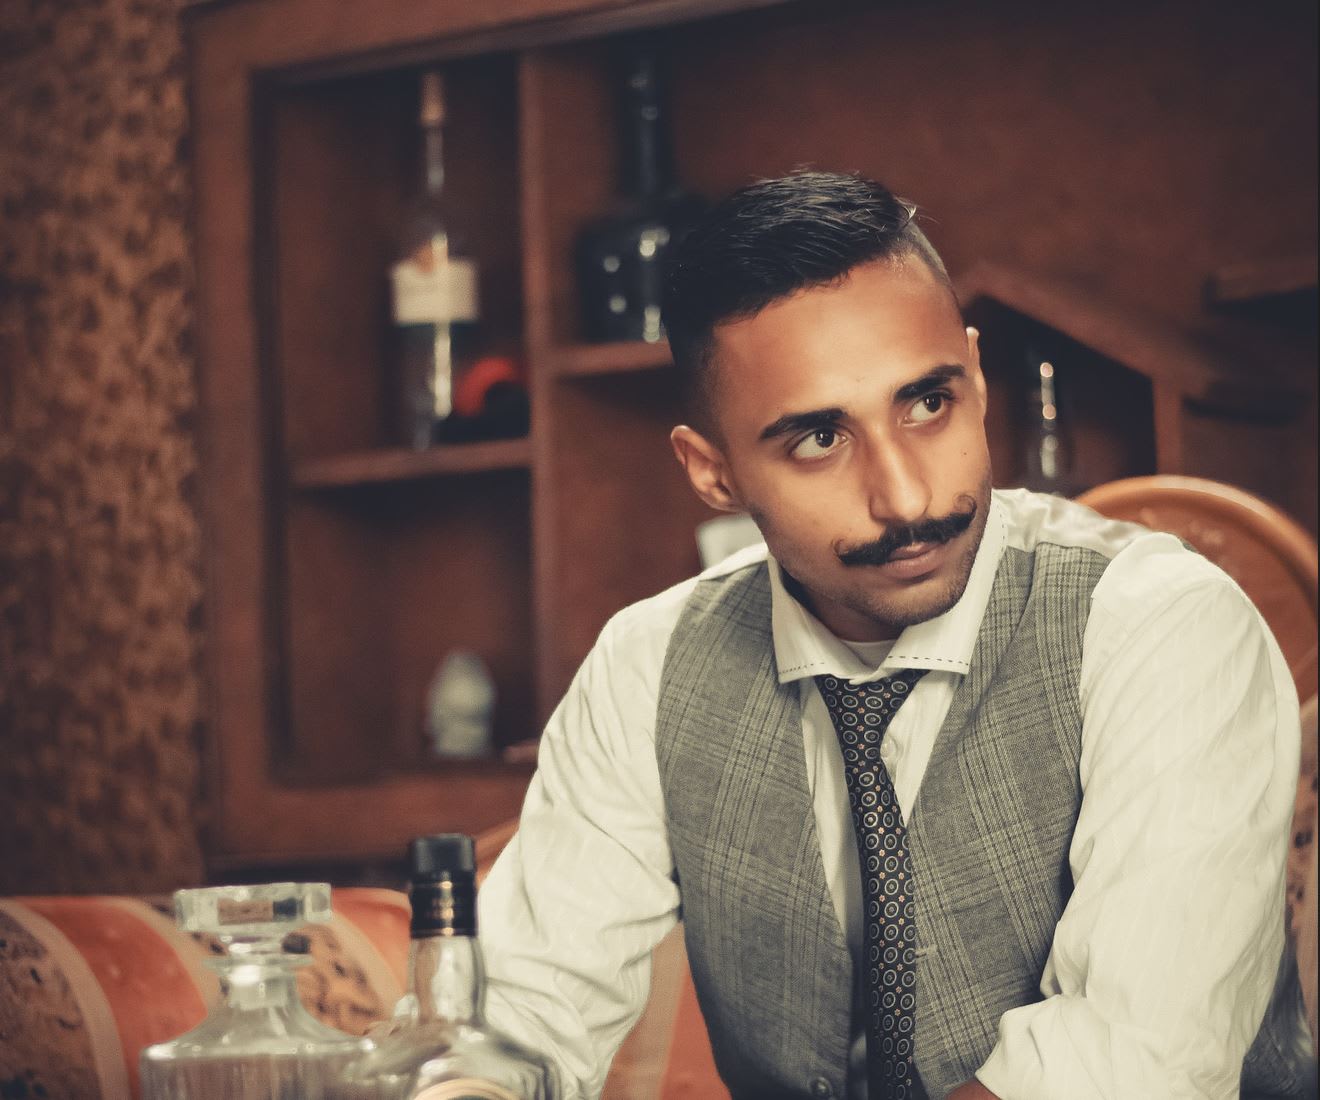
(342, 569)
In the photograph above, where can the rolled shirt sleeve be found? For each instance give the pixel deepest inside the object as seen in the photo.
(1164, 960)
(574, 905)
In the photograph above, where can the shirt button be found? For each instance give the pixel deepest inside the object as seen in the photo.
(820, 1088)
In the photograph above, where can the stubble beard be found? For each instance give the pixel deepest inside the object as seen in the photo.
(890, 614)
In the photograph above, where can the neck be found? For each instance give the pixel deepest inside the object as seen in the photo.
(448, 979)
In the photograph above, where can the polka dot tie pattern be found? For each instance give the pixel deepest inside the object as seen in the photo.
(861, 713)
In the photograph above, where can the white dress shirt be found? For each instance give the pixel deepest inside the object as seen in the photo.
(1164, 959)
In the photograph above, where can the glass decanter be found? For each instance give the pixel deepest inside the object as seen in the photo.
(258, 1042)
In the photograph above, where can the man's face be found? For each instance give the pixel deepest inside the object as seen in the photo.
(851, 425)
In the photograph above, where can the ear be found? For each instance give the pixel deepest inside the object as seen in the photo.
(974, 359)
(706, 468)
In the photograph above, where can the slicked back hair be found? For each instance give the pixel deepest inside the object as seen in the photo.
(768, 241)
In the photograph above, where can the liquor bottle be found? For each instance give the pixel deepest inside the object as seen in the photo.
(434, 292)
(1048, 447)
(258, 1042)
(439, 1047)
(620, 258)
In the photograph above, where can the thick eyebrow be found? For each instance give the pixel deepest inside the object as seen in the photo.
(929, 382)
(793, 423)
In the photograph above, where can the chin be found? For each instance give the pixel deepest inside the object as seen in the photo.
(920, 608)
(925, 600)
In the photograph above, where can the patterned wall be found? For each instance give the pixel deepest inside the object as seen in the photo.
(99, 556)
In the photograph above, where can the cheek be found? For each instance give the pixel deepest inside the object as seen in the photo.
(799, 526)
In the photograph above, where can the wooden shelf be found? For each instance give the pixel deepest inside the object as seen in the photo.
(1201, 366)
(282, 824)
(1272, 277)
(400, 464)
(583, 360)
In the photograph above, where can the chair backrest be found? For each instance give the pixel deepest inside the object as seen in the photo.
(1269, 554)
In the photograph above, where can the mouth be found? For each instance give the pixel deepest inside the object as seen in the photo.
(915, 560)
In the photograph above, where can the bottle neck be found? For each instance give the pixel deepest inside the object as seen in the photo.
(447, 976)
(448, 979)
(647, 167)
(259, 985)
(433, 161)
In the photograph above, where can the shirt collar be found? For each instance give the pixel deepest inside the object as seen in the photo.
(805, 647)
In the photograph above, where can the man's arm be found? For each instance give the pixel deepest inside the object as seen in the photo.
(1163, 961)
(576, 902)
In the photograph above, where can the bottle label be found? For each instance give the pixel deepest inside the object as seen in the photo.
(446, 293)
(466, 1088)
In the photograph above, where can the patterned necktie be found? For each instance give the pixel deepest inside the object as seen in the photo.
(861, 714)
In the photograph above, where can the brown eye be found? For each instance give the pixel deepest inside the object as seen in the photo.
(929, 407)
(818, 444)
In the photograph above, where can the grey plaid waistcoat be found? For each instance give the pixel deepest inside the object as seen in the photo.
(989, 834)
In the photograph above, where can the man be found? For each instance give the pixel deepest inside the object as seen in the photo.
(959, 792)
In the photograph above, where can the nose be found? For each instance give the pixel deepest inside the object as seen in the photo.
(897, 487)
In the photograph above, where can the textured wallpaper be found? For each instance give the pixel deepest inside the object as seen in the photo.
(100, 689)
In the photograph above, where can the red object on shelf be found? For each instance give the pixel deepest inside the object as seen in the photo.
(476, 381)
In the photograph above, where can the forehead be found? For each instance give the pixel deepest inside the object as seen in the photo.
(886, 323)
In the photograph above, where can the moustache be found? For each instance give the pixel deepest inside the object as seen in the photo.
(933, 531)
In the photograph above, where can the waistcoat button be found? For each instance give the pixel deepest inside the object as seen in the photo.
(820, 1087)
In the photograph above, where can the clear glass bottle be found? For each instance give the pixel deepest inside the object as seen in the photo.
(434, 292)
(439, 1047)
(258, 1042)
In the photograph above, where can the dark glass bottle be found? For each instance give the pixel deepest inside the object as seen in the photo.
(440, 1046)
(620, 258)
(1048, 458)
(434, 292)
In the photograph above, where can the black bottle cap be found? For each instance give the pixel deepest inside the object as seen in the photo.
(441, 856)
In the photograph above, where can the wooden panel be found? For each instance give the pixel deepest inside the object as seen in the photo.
(382, 585)
(330, 668)
(1143, 145)
(575, 174)
(459, 577)
(623, 517)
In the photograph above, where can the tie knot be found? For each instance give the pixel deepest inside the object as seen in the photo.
(864, 711)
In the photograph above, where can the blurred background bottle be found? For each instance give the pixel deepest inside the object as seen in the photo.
(434, 293)
(620, 257)
(1048, 458)
(438, 1045)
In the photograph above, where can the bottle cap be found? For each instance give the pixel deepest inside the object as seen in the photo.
(441, 856)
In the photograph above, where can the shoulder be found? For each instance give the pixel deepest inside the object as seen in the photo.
(1137, 574)
(1035, 520)
(1144, 580)
(645, 627)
